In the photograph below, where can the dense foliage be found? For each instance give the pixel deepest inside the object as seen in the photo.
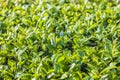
(59, 39)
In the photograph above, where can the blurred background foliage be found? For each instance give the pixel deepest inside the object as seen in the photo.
(60, 39)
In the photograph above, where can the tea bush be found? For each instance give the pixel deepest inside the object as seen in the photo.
(59, 39)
